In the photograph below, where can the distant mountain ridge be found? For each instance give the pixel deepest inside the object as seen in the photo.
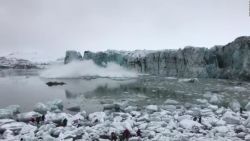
(14, 63)
(230, 61)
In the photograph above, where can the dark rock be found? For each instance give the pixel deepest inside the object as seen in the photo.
(50, 84)
(74, 108)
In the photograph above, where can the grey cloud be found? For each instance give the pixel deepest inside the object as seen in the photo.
(54, 26)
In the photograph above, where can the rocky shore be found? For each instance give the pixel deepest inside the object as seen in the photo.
(172, 121)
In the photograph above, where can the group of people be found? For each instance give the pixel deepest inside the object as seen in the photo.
(125, 135)
(37, 120)
(199, 119)
(40, 119)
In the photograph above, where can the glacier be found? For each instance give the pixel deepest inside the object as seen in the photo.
(230, 61)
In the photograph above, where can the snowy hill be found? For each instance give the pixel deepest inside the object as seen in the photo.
(6, 63)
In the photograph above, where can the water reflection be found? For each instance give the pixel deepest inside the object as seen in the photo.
(70, 95)
(27, 88)
(155, 90)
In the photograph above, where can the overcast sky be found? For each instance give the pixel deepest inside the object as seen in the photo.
(53, 26)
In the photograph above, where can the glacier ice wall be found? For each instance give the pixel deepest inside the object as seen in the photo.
(231, 61)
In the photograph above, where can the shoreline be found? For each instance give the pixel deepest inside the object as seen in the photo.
(170, 121)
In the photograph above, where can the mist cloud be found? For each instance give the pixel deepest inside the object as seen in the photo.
(86, 68)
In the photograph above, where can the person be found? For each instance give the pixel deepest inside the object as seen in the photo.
(138, 133)
(113, 136)
(2, 131)
(65, 121)
(241, 110)
(37, 120)
(43, 118)
(199, 119)
(126, 134)
(32, 120)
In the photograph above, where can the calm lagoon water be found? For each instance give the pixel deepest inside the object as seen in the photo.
(26, 88)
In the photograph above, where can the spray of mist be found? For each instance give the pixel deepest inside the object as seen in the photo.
(86, 68)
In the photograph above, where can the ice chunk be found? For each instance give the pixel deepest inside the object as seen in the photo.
(189, 124)
(171, 102)
(202, 101)
(247, 137)
(14, 108)
(41, 108)
(28, 130)
(13, 126)
(8, 136)
(56, 104)
(170, 108)
(6, 113)
(135, 113)
(189, 80)
(27, 116)
(45, 129)
(152, 108)
(247, 123)
(97, 117)
(231, 118)
(9, 111)
(55, 117)
(221, 129)
(235, 105)
(220, 123)
(247, 107)
(214, 99)
(5, 121)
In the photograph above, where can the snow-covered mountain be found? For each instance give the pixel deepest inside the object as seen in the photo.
(35, 57)
(6, 63)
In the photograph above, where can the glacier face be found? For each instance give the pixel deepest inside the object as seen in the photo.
(72, 55)
(231, 61)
